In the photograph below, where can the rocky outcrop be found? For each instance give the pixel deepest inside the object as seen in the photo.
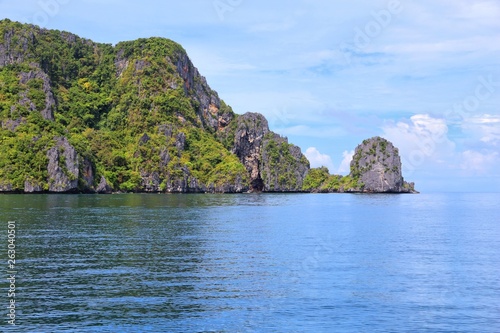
(239, 185)
(104, 187)
(49, 105)
(283, 166)
(250, 131)
(63, 167)
(210, 111)
(12, 124)
(273, 164)
(377, 166)
(6, 187)
(183, 182)
(35, 95)
(32, 187)
(15, 48)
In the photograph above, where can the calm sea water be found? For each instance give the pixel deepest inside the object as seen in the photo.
(254, 263)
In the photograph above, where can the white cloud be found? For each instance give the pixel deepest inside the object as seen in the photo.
(345, 166)
(473, 161)
(422, 141)
(485, 128)
(318, 160)
(420, 128)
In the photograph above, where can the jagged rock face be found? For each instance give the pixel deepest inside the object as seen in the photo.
(50, 102)
(35, 76)
(29, 187)
(10, 53)
(63, 167)
(11, 124)
(169, 95)
(6, 187)
(196, 86)
(377, 165)
(104, 187)
(283, 166)
(273, 164)
(151, 181)
(250, 131)
(184, 183)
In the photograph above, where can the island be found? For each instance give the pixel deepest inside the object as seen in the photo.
(83, 117)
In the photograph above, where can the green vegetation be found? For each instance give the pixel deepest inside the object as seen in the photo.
(111, 103)
(320, 180)
(281, 167)
(23, 158)
(210, 162)
(315, 179)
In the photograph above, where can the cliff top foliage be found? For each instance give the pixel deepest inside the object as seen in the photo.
(104, 99)
(138, 114)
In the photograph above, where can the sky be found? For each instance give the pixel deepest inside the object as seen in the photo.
(328, 74)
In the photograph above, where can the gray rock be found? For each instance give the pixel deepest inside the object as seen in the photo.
(239, 186)
(250, 131)
(144, 139)
(272, 163)
(12, 124)
(209, 111)
(25, 78)
(29, 187)
(180, 142)
(121, 63)
(183, 182)
(104, 187)
(377, 165)
(164, 158)
(167, 130)
(151, 182)
(63, 167)
(283, 166)
(6, 187)
(15, 47)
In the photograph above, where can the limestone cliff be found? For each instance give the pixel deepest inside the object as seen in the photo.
(377, 166)
(249, 135)
(63, 167)
(80, 116)
(273, 164)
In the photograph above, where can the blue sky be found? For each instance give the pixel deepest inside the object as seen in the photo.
(328, 74)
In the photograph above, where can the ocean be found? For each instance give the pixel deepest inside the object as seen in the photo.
(251, 263)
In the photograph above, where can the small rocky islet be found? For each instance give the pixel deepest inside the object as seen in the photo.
(83, 117)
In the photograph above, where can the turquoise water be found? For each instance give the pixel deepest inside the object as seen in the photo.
(254, 263)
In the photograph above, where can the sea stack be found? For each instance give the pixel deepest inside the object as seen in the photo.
(377, 166)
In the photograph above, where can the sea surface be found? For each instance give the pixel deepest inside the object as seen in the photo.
(253, 263)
